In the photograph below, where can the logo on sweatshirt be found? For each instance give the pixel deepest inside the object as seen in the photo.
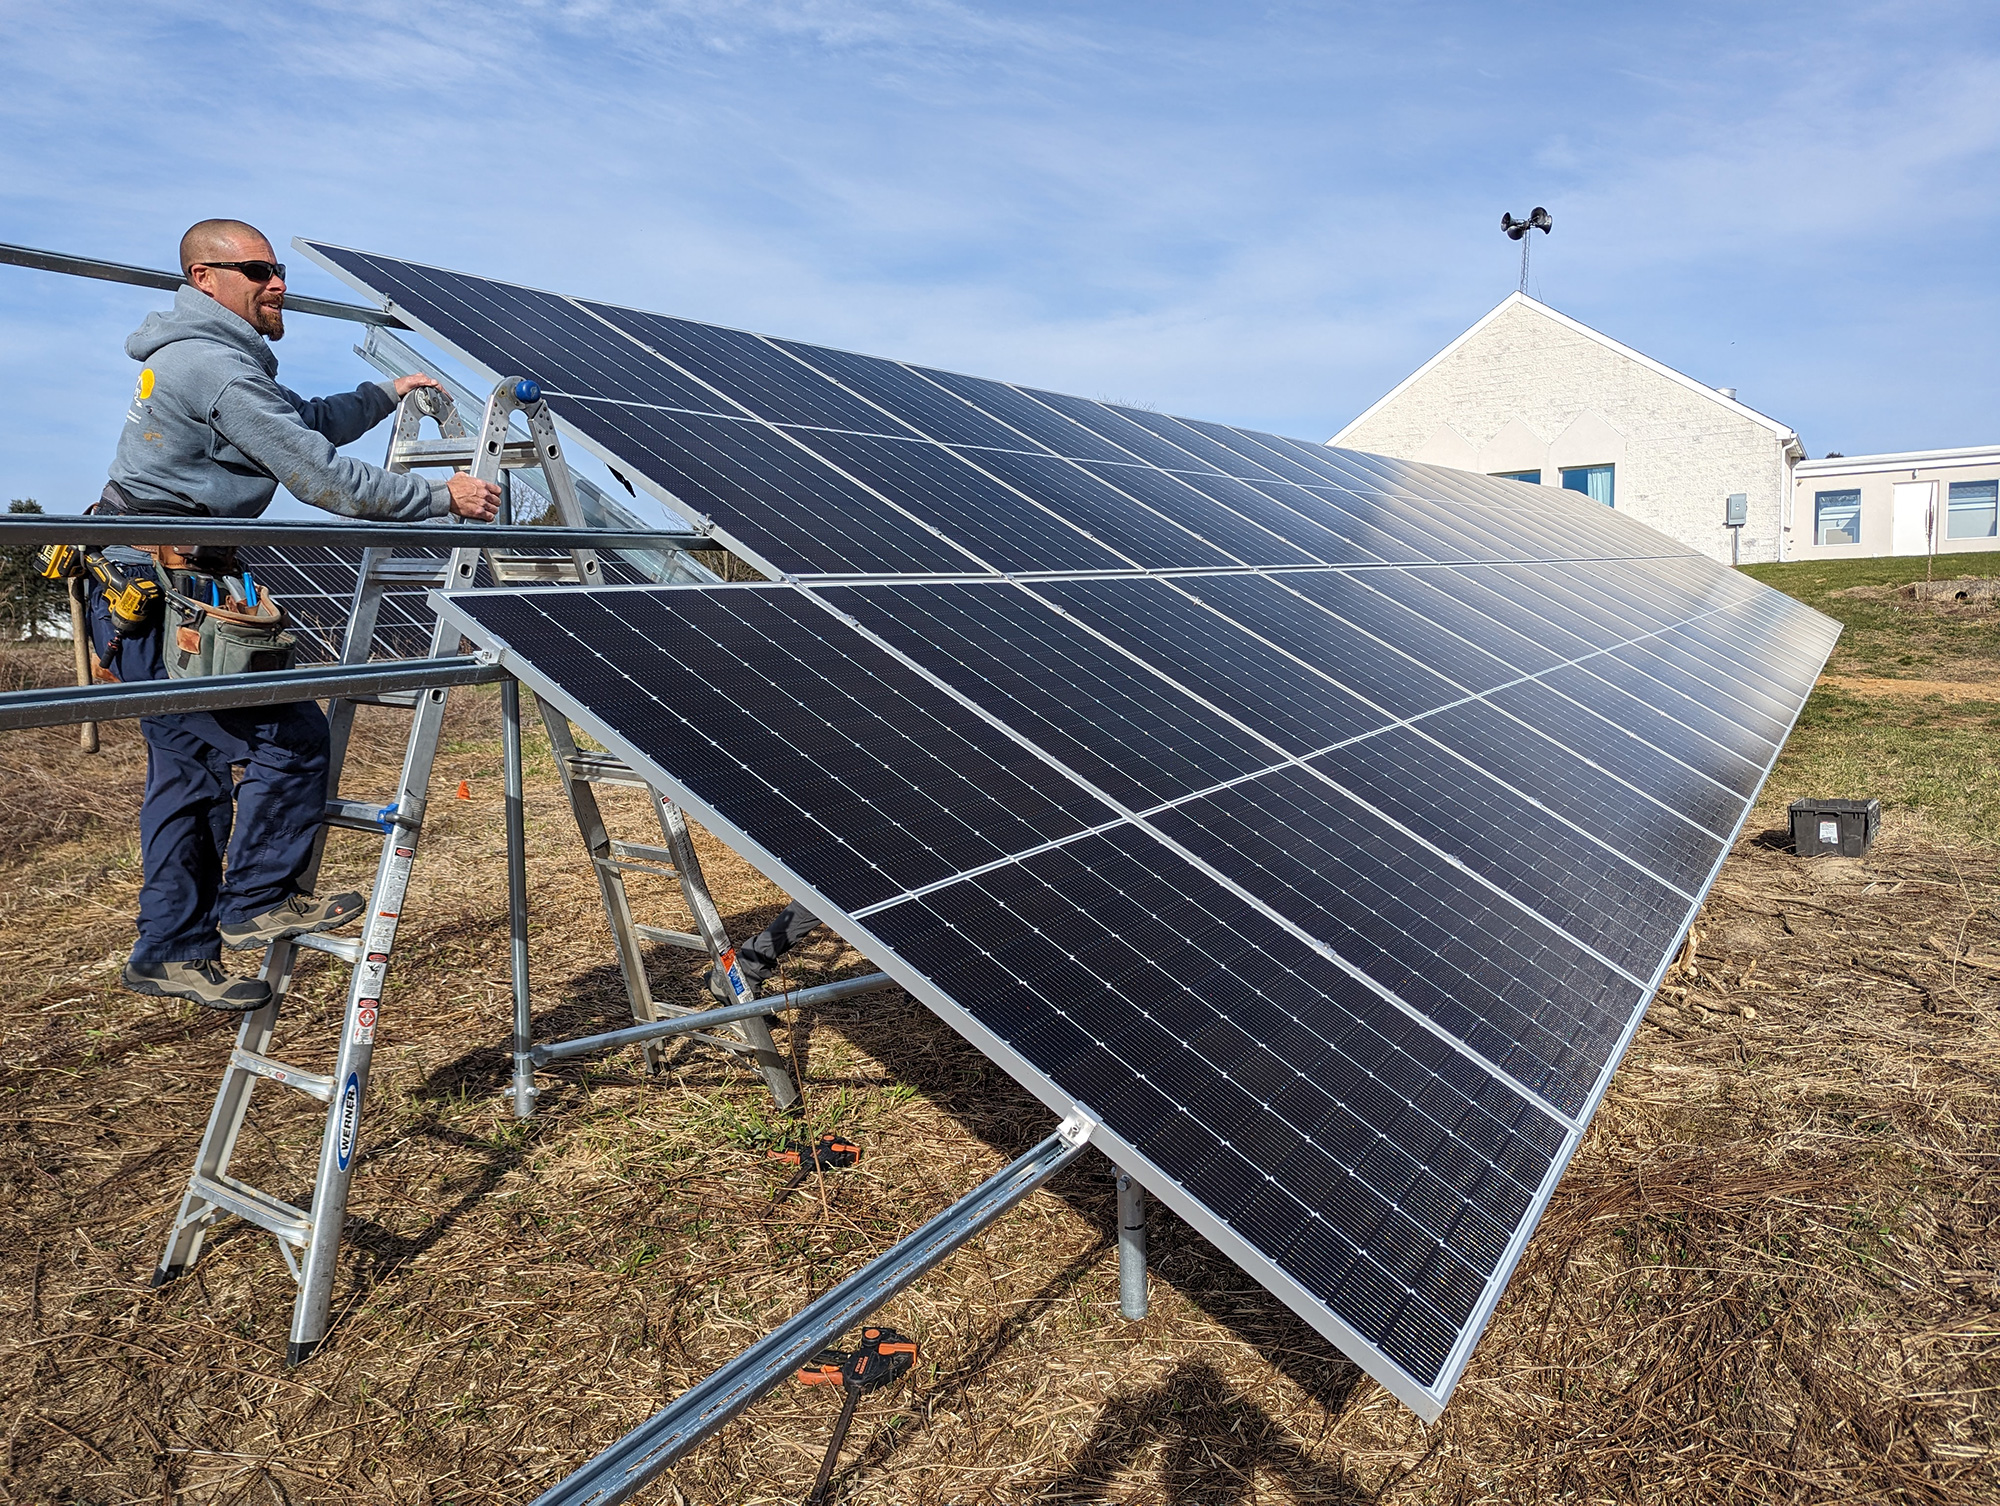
(145, 384)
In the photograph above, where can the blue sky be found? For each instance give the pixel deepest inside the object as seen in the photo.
(1267, 214)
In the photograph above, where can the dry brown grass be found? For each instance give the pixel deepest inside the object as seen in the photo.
(1769, 1276)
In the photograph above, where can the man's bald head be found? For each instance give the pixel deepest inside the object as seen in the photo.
(209, 254)
(222, 240)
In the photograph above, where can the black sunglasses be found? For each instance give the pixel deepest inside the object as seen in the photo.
(256, 271)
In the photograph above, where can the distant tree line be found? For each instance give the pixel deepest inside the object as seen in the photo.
(30, 606)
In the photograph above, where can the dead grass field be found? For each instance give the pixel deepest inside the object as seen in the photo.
(1770, 1275)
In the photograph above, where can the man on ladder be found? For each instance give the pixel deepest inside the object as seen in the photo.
(210, 433)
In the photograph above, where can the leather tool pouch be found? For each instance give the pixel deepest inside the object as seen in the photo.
(205, 639)
(203, 559)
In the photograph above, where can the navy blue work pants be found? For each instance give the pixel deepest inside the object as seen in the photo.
(758, 957)
(217, 850)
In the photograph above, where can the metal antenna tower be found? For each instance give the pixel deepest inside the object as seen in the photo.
(1517, 230)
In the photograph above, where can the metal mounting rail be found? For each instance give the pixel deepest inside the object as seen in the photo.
(707, 1019)
(108, 703)
(168, 282)
(656, 1443)
(148, 528)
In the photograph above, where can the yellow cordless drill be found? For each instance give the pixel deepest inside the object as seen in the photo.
(133, 601)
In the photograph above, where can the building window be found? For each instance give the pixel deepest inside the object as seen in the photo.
(1837, 517)
(1973, 509)
(1533, 478)
(1594, 481)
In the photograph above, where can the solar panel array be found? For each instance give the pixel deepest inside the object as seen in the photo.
(1318, 823)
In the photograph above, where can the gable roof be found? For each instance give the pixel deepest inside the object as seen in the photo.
(1742, 410)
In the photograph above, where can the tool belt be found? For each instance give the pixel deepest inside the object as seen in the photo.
(211, 626)
(205, 637)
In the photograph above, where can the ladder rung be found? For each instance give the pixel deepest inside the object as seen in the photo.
(416, 452)
(672, 938)
(623, 865)
(281, 1072)
(361, 815)
(639, 852)
(513, 570)
(346, 948)
(422, 568)
(254, 1205)
(603, 768)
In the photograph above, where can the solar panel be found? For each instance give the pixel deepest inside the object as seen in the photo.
(1319, 823)
(1343, 986)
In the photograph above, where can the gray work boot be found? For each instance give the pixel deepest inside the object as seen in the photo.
(204, 982)
(295, 917)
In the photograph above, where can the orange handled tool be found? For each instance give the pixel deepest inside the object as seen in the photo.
(884, 1356)
(827, 1153)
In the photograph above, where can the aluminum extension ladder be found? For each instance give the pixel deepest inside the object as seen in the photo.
(314, 1232)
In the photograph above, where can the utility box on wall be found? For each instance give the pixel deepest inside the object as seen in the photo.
(1841, 827)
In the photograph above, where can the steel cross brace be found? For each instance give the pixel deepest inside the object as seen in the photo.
(652, 1446)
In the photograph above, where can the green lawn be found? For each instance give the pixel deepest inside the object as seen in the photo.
(1880, 637)
(1928, 756)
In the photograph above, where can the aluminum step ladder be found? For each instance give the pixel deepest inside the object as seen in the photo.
(676, 861)
(309, 1236)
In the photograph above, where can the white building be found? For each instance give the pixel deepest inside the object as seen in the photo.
(1530, 393)
(1920, 502)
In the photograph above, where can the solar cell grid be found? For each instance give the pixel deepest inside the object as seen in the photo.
(1512, 989)
(1221, 663)
(525, 331)
(806, 515)
(1245, 541)
(1030, 420)
(1205, 1065)
(1320, 643)
(1118, 427)
(1275, 511)
(1560, 871)
(756, 374)
(1133, 735)
(1307, 1033)
(929, 409)
(1564, 779)
(1143, 537)
(1632, 714)
(996, 525)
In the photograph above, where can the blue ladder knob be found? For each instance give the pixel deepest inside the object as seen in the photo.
(527, 391)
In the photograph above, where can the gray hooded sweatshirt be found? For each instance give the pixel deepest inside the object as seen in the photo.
(211, 431)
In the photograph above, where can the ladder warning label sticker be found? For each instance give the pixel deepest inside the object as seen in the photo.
(364, 1022)
(350, 1120)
